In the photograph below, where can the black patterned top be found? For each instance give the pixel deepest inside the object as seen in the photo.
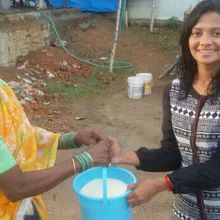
(191, 149)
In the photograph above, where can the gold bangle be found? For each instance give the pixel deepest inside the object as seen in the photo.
(74, 165)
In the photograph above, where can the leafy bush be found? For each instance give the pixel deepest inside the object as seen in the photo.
(173, 22)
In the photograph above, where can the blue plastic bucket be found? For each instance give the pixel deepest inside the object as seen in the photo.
(114, 208)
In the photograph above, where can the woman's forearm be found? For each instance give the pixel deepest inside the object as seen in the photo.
(25, 184)
(129, 157)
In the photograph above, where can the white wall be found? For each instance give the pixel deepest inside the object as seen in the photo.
(141, 9)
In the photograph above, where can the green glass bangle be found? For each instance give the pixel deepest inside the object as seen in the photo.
(81, 162)
(88, 164)
(66, 141)
(87, 157)
(85, 160)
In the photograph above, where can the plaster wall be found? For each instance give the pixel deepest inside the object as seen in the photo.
(19, 36)
(23, 32)
(164, 9)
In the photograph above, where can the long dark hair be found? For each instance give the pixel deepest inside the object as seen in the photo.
(187, 64)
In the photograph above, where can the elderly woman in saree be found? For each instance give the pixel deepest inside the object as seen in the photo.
(27, 156)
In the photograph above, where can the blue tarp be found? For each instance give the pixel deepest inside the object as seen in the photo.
(99, 5)
(73, 3)
(86, 5)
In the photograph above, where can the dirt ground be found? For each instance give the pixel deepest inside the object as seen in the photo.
(134, 122)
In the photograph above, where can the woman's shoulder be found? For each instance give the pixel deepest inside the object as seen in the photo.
(175, 82)
(173, 85)
(172, 89)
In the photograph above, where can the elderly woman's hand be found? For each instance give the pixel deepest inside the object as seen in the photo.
(89, 137)
(77, 139)
(99, 153)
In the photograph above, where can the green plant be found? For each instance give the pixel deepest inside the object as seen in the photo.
(81, 87)
(173, 22)
(99, 81)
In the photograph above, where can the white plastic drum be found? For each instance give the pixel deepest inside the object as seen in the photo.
(135, 87)
(148, 79)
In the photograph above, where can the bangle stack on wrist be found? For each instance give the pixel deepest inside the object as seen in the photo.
(66, 141)
(168, 183)
(85, 160)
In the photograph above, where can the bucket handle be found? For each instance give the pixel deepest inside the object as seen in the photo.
(104, 180)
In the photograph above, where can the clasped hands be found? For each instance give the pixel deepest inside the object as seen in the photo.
(102, 148)
(105, 150)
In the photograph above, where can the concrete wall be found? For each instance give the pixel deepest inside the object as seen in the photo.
(141, 9)
(19, 35)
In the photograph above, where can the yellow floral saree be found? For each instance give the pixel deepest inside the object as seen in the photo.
(33, 149)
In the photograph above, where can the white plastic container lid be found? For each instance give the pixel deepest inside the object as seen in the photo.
(146, 76)
(135, 80)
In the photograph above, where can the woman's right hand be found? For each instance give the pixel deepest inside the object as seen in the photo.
(119, 156)
(115, 150)
(145, 190)
(99, 153)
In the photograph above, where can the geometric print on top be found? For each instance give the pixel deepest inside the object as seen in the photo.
(182, 111)
(207, 140)
(190, 113)
(210, 114)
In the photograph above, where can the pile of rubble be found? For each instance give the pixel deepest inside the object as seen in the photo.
(35, 70)
(30, 90)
